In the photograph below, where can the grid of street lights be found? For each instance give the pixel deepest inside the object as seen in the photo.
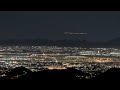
(38, 58)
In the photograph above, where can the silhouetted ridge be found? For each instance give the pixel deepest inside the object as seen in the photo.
(69, 43)
(17, 73)
(111, 74)
(65, 42)
(21, 73)
(67, 74)
(115, 40)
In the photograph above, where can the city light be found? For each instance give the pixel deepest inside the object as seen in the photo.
(35, 58)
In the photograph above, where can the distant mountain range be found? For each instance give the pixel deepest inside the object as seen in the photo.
(80, 43)
(114, 42)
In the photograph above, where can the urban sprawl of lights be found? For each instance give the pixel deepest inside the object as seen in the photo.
(38, 58)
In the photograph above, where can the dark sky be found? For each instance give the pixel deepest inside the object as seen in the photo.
(100, 25)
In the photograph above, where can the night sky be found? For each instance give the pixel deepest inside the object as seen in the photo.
(100, 25)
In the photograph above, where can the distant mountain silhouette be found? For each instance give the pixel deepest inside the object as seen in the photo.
(65, 42)
(114, 42)
(69, 43)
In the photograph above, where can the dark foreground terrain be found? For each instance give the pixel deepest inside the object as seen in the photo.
(70, 74)
(23, 78)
